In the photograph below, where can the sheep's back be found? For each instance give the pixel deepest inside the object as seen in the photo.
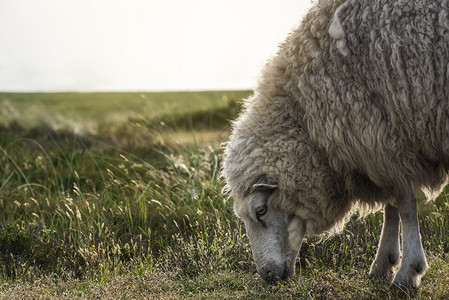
(375, 94)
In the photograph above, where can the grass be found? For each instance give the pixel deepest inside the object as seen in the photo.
(97, 109)
(100, 198)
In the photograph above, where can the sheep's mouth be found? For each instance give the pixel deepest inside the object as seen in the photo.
(273, 277)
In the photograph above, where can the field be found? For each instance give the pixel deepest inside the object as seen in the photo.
(118, 195)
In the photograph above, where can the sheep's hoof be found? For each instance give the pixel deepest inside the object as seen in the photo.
(405, 281)
(401, 287)
(378, 272)
(383, 268)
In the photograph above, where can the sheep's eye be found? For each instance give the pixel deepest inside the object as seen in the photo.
(261, 210)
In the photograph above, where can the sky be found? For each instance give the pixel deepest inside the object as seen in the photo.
(140, 45)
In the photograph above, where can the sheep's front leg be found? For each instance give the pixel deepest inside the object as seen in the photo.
(413, 264)
(388, 253)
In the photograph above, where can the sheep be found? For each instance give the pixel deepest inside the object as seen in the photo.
(351, 114)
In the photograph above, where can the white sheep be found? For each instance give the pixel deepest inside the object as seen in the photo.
(351, 114)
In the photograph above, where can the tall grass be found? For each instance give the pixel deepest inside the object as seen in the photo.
(98, 204)
(129, 199)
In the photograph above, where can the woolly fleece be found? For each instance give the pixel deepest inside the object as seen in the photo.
(352, 110)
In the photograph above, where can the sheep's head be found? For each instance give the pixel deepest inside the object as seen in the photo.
(270, 181)
(282, 184)
(275, 235)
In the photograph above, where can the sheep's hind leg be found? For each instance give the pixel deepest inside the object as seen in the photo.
(388, 252)
(413, 264)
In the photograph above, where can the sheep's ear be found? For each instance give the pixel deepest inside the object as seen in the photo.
(264, 185)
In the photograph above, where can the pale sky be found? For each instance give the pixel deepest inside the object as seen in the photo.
(140, 45)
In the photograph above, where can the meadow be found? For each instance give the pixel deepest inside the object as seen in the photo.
(118, 195)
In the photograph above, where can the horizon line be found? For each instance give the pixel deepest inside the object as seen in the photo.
(121, 91)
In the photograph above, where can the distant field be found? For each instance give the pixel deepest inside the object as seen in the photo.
(104, 107)
(118, 195)
(169, 117)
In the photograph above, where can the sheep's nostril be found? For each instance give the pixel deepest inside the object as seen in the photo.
(273, 274)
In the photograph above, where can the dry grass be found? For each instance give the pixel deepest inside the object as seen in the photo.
(230, 285)
(135, 210)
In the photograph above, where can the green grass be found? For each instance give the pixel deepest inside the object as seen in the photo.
(130, 206)
(117, 107)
